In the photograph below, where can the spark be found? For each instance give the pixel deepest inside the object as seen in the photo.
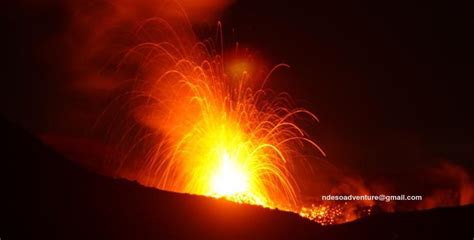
(324, 214)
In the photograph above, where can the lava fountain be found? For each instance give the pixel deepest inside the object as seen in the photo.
(212, 129)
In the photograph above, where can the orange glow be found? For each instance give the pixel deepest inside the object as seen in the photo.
(239, 67)
(219, 131)
(229, 178)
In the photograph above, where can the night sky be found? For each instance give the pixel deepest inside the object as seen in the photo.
(391, 81)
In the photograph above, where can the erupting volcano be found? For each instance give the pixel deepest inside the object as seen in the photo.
(153, 111)
(176, 106)
(214, 128)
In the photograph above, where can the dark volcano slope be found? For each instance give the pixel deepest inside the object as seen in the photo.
(45, 196)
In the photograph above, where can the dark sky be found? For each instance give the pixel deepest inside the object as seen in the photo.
(390, 80)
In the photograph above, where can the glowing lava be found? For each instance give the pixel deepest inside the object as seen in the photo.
(230, 178)
(216, 131)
